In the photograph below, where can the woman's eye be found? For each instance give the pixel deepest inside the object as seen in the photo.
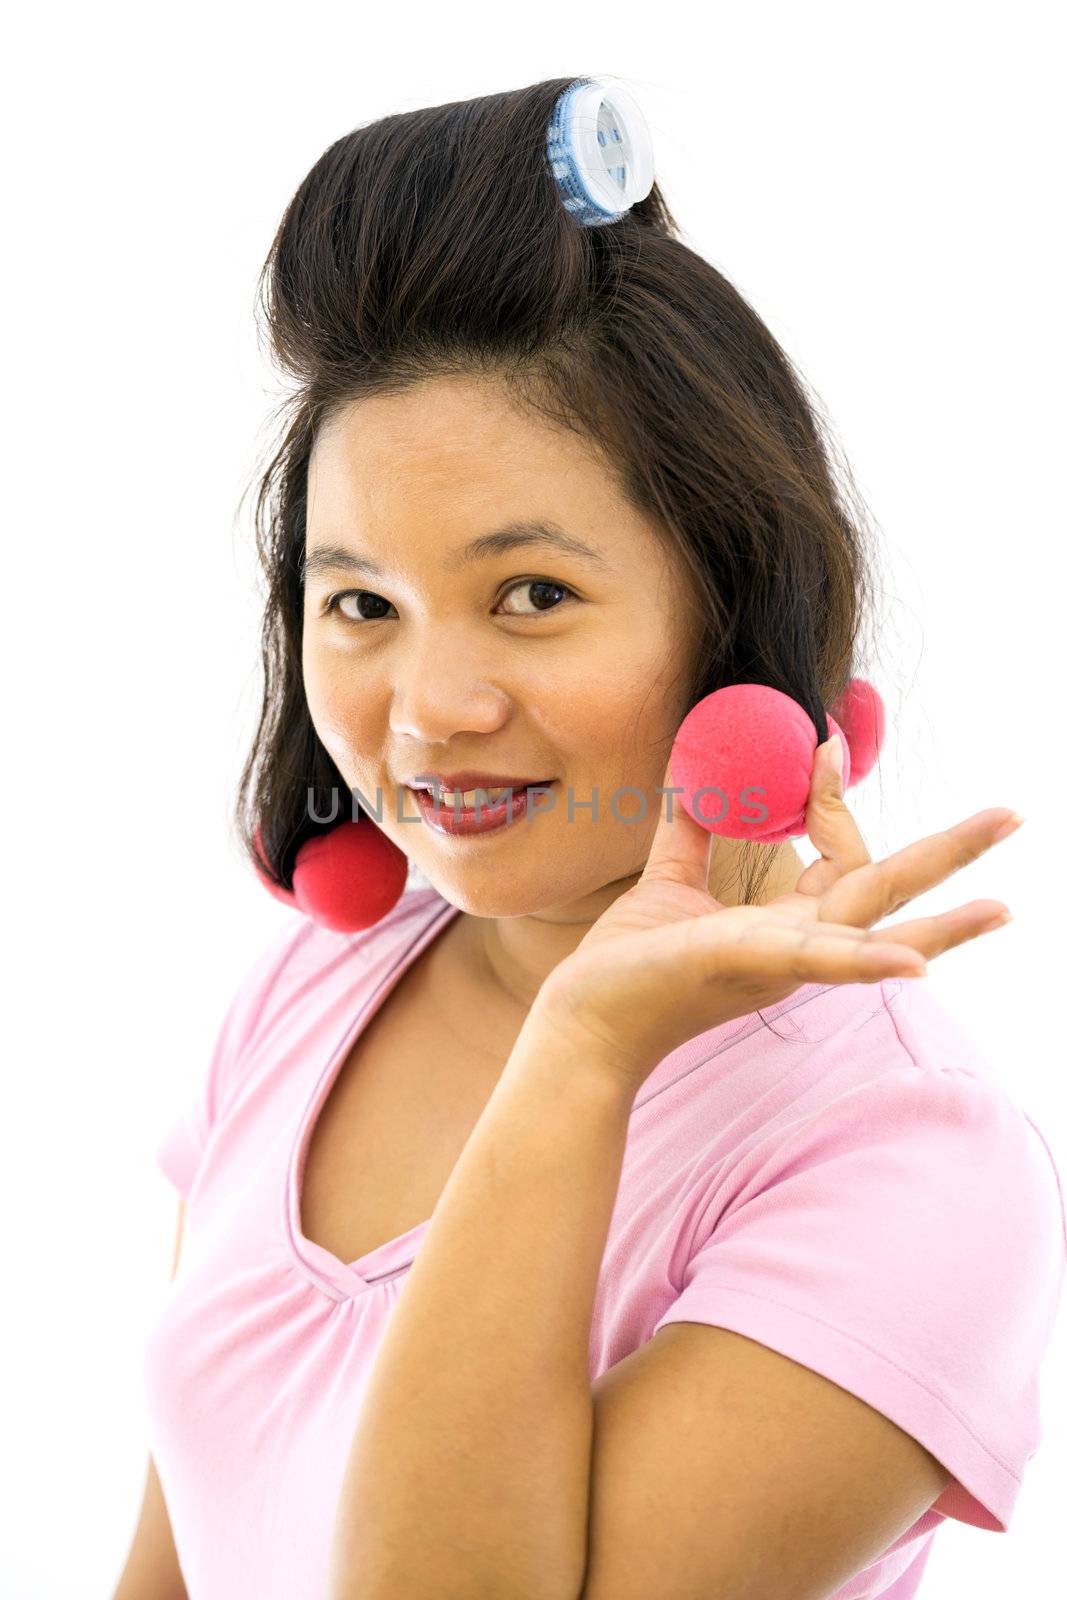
(355, 595)
(365, 605)
(544, 585)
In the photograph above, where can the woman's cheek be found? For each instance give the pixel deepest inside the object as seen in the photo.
(337, 724)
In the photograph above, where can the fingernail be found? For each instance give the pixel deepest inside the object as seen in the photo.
(1013, 822)
(837, 755)
(997, 921)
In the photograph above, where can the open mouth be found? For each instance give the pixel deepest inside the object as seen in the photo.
(468, 799)
(486, 815)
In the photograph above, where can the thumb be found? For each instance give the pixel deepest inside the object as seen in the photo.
(681, 848)
(829, 823)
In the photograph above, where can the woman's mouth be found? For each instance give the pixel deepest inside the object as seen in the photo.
(475, 812)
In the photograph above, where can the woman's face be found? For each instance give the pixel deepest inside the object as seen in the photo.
(533, 661)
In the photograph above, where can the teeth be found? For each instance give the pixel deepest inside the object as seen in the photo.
(468, 798)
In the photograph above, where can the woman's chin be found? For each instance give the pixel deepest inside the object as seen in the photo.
(491, 895)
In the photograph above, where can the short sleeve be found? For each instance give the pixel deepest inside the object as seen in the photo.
(180, 1151)
(906, 1241)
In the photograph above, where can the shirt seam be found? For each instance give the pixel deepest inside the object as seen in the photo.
(888, 1361)
(1021, 1111)
(785, 1008)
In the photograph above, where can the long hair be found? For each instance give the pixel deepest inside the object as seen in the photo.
(435, 242)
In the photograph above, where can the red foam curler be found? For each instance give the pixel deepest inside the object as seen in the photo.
(346, 879)
(744, 755)
(861, 714)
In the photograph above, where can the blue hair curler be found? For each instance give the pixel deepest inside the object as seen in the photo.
(599, 151)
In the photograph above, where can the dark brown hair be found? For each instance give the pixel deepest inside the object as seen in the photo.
(435, 242)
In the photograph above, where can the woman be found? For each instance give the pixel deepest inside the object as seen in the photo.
(610, 1218)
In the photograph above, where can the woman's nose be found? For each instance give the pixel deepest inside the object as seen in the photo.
(443, 691)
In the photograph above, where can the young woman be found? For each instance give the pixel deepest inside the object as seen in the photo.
(613, 1217)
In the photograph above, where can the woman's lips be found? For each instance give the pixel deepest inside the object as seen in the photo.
(444, 816)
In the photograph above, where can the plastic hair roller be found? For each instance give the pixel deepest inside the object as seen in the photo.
(599, 150)
(744, 756)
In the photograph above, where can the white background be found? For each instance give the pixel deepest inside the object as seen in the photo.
(879, 182)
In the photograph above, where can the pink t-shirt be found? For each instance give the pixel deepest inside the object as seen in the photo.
(838, 1179)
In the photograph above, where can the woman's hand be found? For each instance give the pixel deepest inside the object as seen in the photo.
(667, 961)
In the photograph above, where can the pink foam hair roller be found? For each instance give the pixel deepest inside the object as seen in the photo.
(744, 756)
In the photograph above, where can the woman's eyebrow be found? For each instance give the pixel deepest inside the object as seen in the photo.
(326, 558)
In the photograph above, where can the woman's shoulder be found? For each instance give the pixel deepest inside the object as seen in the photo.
(853, 1079)
(910, 1072)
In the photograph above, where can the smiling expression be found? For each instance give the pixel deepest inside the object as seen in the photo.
(561, 645)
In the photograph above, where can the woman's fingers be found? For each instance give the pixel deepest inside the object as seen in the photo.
(807, 952)
(681, 848)
(832, 829)
(930, 936)
(813, 951)
(872, 892)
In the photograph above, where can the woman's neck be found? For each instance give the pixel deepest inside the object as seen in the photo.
(507, 959)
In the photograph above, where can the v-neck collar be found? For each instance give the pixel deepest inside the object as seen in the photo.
(339, 1279)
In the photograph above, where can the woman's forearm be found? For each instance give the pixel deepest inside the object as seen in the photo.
(468, 1474)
